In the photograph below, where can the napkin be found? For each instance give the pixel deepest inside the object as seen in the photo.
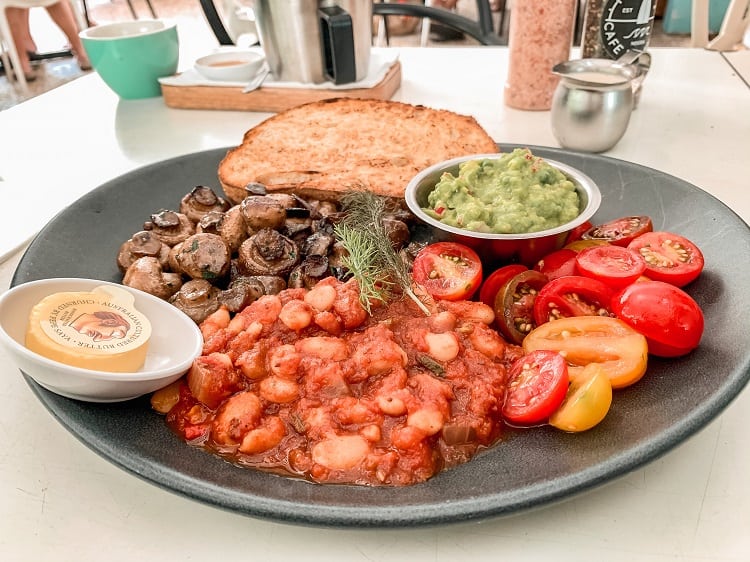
(380, 62)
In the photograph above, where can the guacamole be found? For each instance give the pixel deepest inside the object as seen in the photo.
(514, 194)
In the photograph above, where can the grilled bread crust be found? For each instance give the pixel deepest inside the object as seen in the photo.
(327, 148)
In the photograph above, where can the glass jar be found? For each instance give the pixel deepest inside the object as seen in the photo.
(611, 27)
(540, 36)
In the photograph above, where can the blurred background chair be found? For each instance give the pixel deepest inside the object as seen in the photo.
(482, 29)
(9, 53)
(231, 21)
(733, 26)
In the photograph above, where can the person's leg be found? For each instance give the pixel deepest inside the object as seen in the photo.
(62, 14)
(18, 21)
(25, 30)
(440, 32)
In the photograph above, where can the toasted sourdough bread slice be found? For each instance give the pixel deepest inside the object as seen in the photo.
(324, 149)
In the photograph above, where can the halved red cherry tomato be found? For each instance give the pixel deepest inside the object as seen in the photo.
(537, 384)
(620, 232)
(572, 295)
(614, 265)
(448, 270)
(620, 350)
(669, 257)
(496, 280)
(514, 305)
(587, 402)
(670, 319)
(578, 231)
(557, 264)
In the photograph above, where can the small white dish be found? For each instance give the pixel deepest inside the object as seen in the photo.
(175, 342)
(230, 66)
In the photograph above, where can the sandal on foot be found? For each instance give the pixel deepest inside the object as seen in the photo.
(83, 64)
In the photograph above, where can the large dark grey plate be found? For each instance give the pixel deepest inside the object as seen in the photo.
(532, 468)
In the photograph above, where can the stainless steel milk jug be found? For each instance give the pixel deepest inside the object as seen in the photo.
(594, 99)
(314, 41)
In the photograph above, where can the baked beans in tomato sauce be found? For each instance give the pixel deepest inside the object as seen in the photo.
(307, 384)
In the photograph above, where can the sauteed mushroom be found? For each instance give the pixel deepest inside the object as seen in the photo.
(318, 243)
(263, 211)
(268, 253)
(200, 201)
(312, 269)
(255, 188)
(142, 243)
(398, 232)
(197, 298)
(202, 256)
(147, 275)
(230, 225)
(210, 222)
(171, 227)
(245, 289)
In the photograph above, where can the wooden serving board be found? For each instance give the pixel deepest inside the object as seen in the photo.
(271, 99)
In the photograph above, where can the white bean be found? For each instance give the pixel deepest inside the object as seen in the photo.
(443, 346)
(284, 361)
(391, 406)
(427, 420)
(324, 347)
(341, 452)
(278, 390)
(296, 315)
(321, 297)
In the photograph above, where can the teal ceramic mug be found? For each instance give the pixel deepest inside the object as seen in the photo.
(131, 56)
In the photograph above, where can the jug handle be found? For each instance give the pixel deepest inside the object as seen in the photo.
(642, 61)
(337, 44)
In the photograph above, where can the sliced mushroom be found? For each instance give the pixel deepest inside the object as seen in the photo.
(201, 200)
(170, 226)
(268, 252)
(246, 289)
(398, 232)
(203, 256)
(255, 188)
(287, 200)
(210, 222)
(323, 208)
(297, 228)
(172, 263)
(230, 225)
(263, 211)
(318, 243)
(147, 275)
(312, 269)
(141, 244)
(197, 298)
(335, 260)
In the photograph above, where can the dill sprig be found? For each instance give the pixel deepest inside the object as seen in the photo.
(361, 261)
(371, 259)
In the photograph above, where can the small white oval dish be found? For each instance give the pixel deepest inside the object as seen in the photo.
(230, 66)
(175, 342)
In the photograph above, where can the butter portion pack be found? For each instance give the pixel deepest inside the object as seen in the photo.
(100, 330)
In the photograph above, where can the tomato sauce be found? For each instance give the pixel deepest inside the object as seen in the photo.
(307, 384)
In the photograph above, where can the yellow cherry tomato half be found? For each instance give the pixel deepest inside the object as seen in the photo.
(619, 349)
(587, 401)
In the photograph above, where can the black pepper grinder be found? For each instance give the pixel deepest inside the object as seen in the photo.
(612, 27)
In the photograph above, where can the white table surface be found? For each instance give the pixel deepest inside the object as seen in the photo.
(740, 60)
(60, 501)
